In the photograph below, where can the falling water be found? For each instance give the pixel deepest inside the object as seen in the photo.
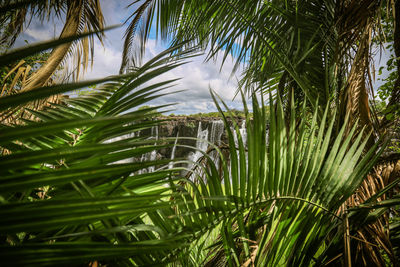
(243, 133)
(119, 138)
(201, 143)
(201, 146)
(154, 132)
(150, 156)
(217, 129)
(171, 165)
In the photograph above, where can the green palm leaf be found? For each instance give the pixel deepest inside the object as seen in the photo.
(73, 170)
(282, 193)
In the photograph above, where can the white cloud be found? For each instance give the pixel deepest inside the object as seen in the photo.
(106, 62)
(197, 76)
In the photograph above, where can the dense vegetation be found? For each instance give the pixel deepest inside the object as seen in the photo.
(320, 189)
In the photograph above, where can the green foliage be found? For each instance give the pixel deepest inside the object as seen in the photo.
(71, 193)
(73, 190)
(234, 112)
(69, 175)
(35, 61)
(379, 106)
(191, 125)
(149, 110)
(385, 90)
(206, 115)
(86, 91)
(290, 186)
(395, 147)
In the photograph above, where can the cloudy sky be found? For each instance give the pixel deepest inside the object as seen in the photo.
(196, 77)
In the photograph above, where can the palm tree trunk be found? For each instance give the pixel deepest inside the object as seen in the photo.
(355, 20)
(355, 96)
(41, 76)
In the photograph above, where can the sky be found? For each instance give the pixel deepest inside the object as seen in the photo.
(197, 76)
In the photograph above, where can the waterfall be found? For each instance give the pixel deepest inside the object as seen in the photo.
(150, 156)
(243, 133)
(119, 138)
(153, 154)
(217, 129)
(201, 143)
(201, 146)
(171, 165)
(154, 132)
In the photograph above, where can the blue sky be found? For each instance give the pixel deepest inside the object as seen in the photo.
(196, 77)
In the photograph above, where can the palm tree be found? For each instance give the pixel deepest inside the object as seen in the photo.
(80, 16)
(70, 197)
(319, 50)
(78, 158)
(71, 193)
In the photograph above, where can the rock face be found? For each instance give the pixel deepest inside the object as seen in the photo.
(188, 129)
(189, 138)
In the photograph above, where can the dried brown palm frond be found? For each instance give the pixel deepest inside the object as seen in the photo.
(15, 81)
(356, 25)
(372, 242)
(353, 17)
(14, 22)
(17, 115)
(20, 72)
(19, 14)
(82, 16)
(355, 95)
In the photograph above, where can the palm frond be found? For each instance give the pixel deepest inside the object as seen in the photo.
(83, 159)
